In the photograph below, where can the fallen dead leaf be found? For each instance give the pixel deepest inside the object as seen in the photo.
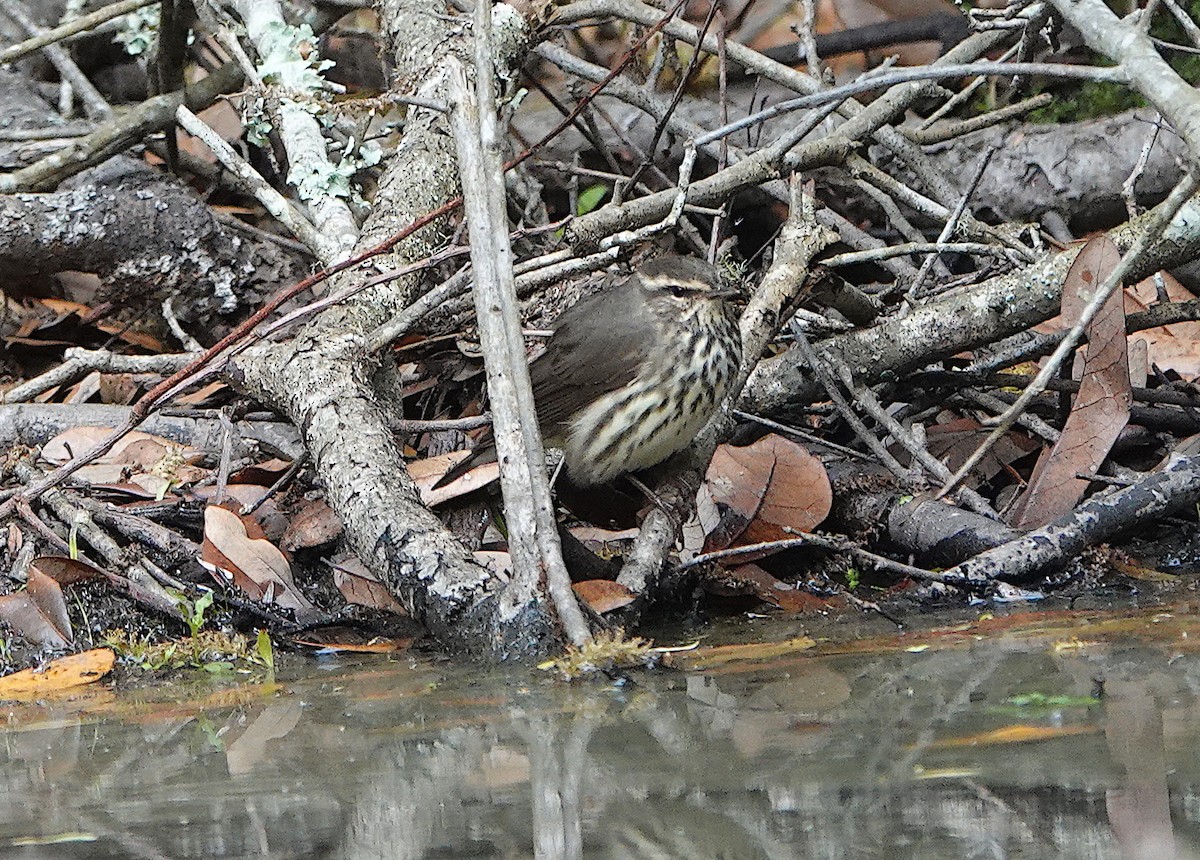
(64, 570)
(425, 473)
(235, 550)
(1101, 408)
(130, 449)
(61, 674)
(38, 613)
(754, 580)
(359, 586)
(313, 524)
(764, 489)
(603, 595)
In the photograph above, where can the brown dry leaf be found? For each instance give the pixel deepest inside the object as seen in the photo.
(235, 550)
(313, 524)
(61, 307)
(265, 473)
(268, 515)
(955, 440)
(224, 120)
(603, 595)
(246, 495)
(1171, 347)
(132, 448)
(768, 486)
(1101, 408)
(61, 674)
(425, 473)
(21, 615)
(111, 476)
(130, 336)
(359, 586)
(154, 486)
(202, 394)
(118, 488)
(767, 588)
(119, 388)
(144, 454)
(38, 613)
(64, 570)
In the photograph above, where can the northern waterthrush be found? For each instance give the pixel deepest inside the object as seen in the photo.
(633, 372)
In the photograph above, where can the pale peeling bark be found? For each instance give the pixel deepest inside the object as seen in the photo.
(325, 380)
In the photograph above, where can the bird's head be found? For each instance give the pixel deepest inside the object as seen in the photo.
(683, 287)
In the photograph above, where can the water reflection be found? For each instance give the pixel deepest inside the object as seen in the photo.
(889, 754)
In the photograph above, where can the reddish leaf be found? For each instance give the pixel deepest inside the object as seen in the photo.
(767, 588)
(603, 595)
(954, 441)
(265, 473)
(359, 586)
(64, 570)
(770, 486)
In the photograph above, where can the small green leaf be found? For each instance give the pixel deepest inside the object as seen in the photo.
(265, 652)
(590, 198)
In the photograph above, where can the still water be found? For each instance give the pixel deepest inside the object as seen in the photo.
(900, 746)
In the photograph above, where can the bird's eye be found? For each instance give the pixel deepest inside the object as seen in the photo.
(678, 292)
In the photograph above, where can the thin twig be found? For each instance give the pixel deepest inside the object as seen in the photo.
(1154, 227)
(1107, 74)
(952, 222)
(76, 25)
(846, 410)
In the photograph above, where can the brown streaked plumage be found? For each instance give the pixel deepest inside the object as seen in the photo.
(633, 372)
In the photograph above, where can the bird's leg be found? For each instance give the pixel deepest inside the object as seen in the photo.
(650, 495)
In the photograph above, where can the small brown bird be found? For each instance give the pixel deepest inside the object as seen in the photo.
(632, 373)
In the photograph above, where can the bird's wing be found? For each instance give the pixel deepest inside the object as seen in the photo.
(589, 355)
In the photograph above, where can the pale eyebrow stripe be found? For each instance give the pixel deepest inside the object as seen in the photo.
(686, 283)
